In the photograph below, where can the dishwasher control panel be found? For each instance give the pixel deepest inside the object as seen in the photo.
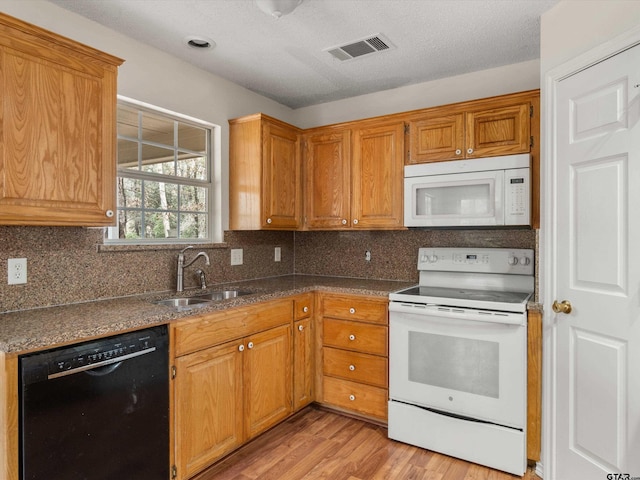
(89, 355)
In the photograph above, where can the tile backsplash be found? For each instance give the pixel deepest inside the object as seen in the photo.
(69, 264)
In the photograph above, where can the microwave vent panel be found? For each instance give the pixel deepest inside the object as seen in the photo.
(366, 46)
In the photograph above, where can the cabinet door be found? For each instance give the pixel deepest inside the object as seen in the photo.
(208, 406)
(436, 139)
(327, 174)
(501, 131)
(281, 177)
(303, 364)
(377, 175)
(267, 379)
(57, 131)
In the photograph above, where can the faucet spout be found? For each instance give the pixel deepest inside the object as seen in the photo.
(182, 265)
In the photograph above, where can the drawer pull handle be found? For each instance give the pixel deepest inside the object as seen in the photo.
(250, 345)
(352, 397)
(352, 337)
(352, 310)
(300, 327)
(241, 348)
(305, 309)
(352, 367)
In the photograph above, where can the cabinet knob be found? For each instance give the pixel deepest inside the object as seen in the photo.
(352, 337)
(109, 213)
(344, 221)
(241, 348)
(352, 310)
(250, 345)
(352, 367)
(305, 309)
(300, 327)
(352, 397)
(269, 221)
(355, 221)
(458, 151)
(469, 150)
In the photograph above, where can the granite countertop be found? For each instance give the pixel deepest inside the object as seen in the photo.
(30, 330)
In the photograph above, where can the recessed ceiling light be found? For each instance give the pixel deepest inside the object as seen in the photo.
(200, 42)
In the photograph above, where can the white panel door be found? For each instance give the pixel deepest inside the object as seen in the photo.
(597, 269)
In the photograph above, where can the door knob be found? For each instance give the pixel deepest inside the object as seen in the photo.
(562, 307)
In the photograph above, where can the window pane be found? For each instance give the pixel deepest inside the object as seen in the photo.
(160, 195)
(127, 154)
(192, 166)
(192, 138)
(157, 129)
(193, 199)
(129, 193)
(161, 225)
(193, 225)
(157, 160)
(129, 224)
(127, 121)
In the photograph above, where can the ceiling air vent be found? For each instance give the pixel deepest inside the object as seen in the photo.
(372, 44)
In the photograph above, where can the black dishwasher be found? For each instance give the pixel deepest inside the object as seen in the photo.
(97, 410)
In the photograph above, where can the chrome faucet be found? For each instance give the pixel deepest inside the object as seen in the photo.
(182, 266)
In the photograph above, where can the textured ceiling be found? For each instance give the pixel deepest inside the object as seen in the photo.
(284, 59)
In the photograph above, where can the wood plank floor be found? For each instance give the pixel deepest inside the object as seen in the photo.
(318, 444)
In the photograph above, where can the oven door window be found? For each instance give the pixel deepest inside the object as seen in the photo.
(463, 367)
(455, 363)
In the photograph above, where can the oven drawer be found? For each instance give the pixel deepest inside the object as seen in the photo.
(355, 336)
(349, 308)
(358, 367)
(356, 397)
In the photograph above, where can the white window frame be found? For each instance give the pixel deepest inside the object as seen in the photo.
(213, 184)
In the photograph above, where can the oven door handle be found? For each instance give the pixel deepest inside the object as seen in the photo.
(505, 318)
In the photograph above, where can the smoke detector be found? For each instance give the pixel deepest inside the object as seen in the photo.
(359, 48)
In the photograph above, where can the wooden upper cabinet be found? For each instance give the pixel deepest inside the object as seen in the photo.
(57, 129)
(484, 128)
(327, 167)
(264, 174)
(354, 177)
(436, 138)
(502, 131)
(377, 176)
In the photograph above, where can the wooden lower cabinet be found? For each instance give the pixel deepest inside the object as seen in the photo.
(228, 393)
(208, 407)
(353, 372)
(303, 350)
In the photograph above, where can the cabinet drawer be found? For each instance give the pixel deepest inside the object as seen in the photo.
(356, 336)
(219, 327)
(357, 397)
(353, 308)
(303, 306)
(358, 367)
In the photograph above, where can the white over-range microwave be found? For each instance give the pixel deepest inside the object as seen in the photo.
(477, 192)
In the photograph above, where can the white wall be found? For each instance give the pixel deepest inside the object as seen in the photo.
(152, 76)
(486, 83)
(573, 27)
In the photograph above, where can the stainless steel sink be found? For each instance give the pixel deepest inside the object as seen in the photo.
(222, 295)
(182, 302)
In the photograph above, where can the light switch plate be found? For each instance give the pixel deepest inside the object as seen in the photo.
(277, 255)
(236, 256)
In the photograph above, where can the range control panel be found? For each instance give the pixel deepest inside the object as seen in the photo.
(480, 260)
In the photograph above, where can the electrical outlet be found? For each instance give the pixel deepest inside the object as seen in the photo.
(277, 255)
(236, 256)
(367, 255)
(16, 271)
